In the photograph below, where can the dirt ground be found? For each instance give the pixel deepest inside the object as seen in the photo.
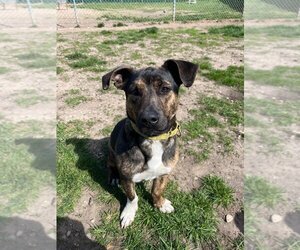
(33, 226)
(280, 168)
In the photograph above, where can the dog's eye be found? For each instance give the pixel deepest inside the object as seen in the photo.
(165, 90)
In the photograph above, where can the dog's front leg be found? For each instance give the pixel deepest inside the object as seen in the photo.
(159, 185)
(128, 213)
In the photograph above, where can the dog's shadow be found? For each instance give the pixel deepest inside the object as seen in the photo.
(92, 157)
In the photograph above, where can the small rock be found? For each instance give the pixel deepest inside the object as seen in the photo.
(275, 218)
(19, 233)
(228, 218)
(68, 233)
(90, 201)
(92, 220)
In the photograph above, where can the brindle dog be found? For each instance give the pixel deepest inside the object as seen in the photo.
(143, 145)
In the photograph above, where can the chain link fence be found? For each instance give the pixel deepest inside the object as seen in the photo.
(112, 13)
(99, 13)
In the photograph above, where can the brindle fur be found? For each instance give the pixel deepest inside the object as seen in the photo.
(144, 89)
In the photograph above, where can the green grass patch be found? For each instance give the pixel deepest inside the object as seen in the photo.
(276, 31)
(232, 76)
(90, 63)
(217, 190)
(27, 167)
(229, 109)
(229, 30)
(133, 36)
(193, 222)
(76, 56)
(74, 92)
(4, 70)
(211, 124)
(282, 76)
(59, 70)
(258, 191)
(77, 167)
(106, 131)
(283, 113)
(28, 97)
(36, 60)
(74, 101)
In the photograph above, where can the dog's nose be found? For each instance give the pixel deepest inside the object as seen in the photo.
(150, 118)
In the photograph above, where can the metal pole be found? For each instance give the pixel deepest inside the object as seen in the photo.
(174, 10)
(75, 13)
(30, 13)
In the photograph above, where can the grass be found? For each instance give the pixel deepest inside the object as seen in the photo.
(229, 30)
(27, 168)
(132, 36)
(28, 97)
(259, 9)
(291, 243)
(36, 60)
(232, 76)
(216, 114)
(260, 192)
(75, 98)
(59, 70)
(4, 70)
(276, 31)
(194, 221)
(216, 189)
(74, 101)
(78, 60)
(282, 113)
(282, 76)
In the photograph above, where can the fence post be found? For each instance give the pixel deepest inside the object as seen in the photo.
(30, 13)
(75, 13)
(174, 10)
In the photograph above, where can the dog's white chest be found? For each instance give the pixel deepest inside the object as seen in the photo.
(155, 165)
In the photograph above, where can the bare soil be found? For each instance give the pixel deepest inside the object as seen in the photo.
(280, 168)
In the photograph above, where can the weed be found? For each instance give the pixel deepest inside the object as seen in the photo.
(279, 76)
(232, 76)
(4, 70)
(119, 24)
(75, 100)
(258, 191)
(230, 31)
(28, 97)
(100, 25)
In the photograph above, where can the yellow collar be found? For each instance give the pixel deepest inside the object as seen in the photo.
(165, 136)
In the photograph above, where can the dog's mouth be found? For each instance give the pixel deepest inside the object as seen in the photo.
(155, 130)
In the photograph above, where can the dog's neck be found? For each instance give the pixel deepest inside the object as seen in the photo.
(173, 132)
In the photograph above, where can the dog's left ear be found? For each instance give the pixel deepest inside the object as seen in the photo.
(119, 76)
(182, 71)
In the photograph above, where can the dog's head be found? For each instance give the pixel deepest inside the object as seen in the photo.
(152, 93)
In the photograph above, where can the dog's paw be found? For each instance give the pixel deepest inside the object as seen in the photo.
(128, 214)
(166, 207)
(114, 182)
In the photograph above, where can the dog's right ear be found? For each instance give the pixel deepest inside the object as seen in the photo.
(119, 76)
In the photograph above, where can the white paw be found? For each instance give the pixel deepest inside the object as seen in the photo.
(167, 207)
(128, 214)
